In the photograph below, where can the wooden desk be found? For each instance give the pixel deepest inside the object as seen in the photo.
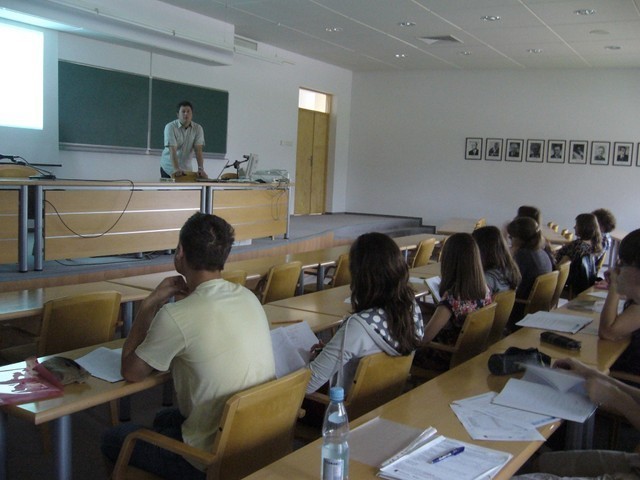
(333, 301)
(458, 225)
(27, 303)
(410, 242)
(77, 397)
(282, 316)
(426, 271)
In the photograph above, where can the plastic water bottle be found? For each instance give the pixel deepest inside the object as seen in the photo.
(335, 430)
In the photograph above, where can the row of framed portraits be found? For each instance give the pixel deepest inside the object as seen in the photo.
(552, 151)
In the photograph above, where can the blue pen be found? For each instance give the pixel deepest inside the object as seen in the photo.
(450, 453)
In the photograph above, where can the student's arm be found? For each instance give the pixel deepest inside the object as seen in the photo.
(200, 160)
(173, 151)
(614, 326)
(134, 369)
(437, 322)
(616, 397)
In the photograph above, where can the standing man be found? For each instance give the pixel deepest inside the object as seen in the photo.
(215, 341)
(181, 137)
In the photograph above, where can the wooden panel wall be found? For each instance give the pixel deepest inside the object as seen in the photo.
(9, 226)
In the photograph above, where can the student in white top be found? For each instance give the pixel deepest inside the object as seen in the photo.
(387, 318)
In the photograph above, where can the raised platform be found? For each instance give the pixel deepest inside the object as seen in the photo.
(306, 233)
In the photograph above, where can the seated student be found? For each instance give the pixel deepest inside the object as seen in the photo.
(527, 250)
(500, 271)
(462, 290)
(534, 212)
(624, 282)
(613, 395)
(387, 318)
(215, 341)
(607, 223)
(589, 241)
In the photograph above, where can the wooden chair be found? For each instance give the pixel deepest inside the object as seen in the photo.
(563, 275)
(423, 252)
(235, 276)
(256, 429)
(78, 321)
(504, 304)
(280, 282)
(17, 171)
(582, 274)
(482, 222)
(541, 293)
(338, 275)
(379, 379)
(471, 342)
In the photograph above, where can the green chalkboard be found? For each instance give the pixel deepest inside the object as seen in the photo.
(102, 107)
(210, 109)
(108, 108)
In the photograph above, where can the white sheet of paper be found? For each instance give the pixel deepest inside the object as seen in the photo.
(484, 403)
(559, 322)
(291, 347)
(103, 363)
(434, 287)
(482, 426)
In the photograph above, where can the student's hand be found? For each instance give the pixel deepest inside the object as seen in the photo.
(315, 350)
(169, 287)
(202, 173)
(178, 173)
(576, 367)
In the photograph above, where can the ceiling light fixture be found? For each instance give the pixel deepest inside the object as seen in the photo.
(491, 18)
(401, 55)
(464, 53)
(585, 11)
(598, 32)
(613, 47)
(534, 50)
(333, 29)
(407, 24)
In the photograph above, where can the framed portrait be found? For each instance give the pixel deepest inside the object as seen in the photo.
(514, 150)
(556, 151)
(622, 154)
(535, 151)
(493, 149)
(600, 153)
(473, 148)
(578, 151)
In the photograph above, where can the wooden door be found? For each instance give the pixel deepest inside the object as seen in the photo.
(311, 162)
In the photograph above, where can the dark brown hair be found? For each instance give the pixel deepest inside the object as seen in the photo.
(606, 219)
(380, 279)
(495, 255)
(527, 232)
(206, 241)
(629, 251)
(587, 229)
(461, 269)
(531, 212)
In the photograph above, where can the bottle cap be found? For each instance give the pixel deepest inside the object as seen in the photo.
(336, 394)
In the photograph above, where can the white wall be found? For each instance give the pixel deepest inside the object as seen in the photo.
(263, 105)
(408, 136)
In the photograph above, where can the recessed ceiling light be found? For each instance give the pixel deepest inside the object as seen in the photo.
(613, 47)
(585, 11)
(464, 53)
(491, 18)
(401, 55)
(534, 50)
(598, 32)
(333, 29)
(407, 24)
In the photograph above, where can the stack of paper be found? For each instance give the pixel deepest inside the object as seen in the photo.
(548, 391)
(472, 463)
(103, 363)
(558, 322)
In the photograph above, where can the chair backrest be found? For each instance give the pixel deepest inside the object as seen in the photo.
(504, 304)
(542, 292)
(257, 426)
(78, 321)
(473, 336)
(17, 171)
(282, 281)
(563, 276)
(424, 252)
(482, 222)
(342, 274)
(379, 379)
(235, 276)
(582, 274)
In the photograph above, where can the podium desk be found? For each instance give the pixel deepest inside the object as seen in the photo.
(77, 397)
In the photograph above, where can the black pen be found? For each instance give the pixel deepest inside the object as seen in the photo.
(450, 453)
